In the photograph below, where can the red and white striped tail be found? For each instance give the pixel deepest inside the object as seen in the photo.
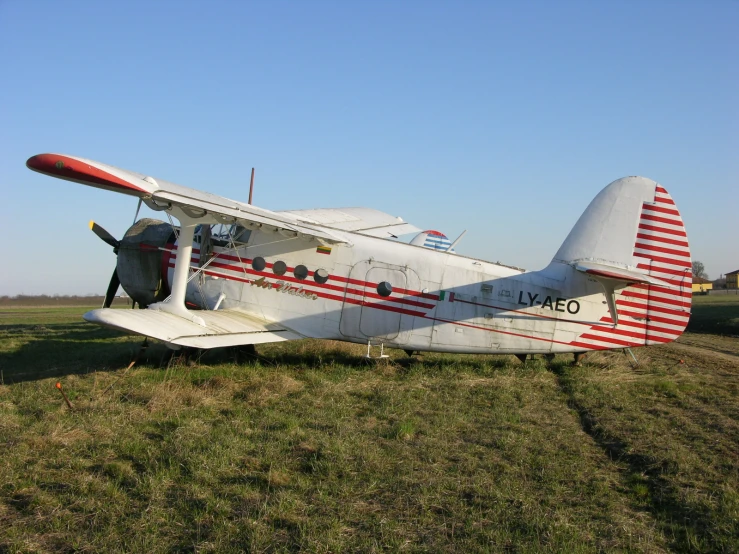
(651, 314)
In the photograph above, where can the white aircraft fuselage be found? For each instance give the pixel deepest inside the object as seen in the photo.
(622, 277)
(440, 301)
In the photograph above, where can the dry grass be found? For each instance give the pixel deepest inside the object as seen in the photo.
(309, 448)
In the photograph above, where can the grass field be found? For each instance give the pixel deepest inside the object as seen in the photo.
(309, 448)
(715, 314)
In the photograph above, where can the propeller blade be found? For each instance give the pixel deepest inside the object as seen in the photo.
(138, 208)
(115, 282)
(104, 235)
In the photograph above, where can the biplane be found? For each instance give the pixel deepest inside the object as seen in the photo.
(231, 273)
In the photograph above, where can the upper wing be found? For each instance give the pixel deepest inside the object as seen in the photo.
(359, 220)
(159, 195)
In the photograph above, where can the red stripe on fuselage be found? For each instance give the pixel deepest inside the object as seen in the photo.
(341, 279)
(373, 305)
(387, 304)
(311, 286)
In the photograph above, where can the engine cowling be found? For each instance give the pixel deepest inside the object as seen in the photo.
(141, 260)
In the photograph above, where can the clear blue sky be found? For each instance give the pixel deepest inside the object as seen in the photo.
(504, 119)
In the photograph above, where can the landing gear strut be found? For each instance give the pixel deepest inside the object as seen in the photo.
(142, 350)
(246, 352)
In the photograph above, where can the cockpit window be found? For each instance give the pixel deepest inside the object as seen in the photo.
(240, 234)
(222, 235)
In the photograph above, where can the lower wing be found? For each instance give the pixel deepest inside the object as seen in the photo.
(222, 327)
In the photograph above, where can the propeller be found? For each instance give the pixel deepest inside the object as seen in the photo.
(115, 282)
(105, 236)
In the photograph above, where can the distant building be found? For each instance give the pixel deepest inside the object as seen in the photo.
(719, 283)
(701, 285)
(732, 280)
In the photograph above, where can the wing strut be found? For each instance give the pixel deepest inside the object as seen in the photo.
(175, 304)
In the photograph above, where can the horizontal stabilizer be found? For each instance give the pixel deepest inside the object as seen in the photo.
(613, 278)
(617, 274)
(222, 327)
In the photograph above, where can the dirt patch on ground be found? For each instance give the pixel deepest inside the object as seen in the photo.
(711, 343)
(718, 354)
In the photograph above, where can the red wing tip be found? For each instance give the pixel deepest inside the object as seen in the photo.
(73, 169)
(45, 162)
(57, 165)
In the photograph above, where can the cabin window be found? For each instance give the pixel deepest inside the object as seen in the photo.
(240, 234)
(222, 235)
(258, 264)
(320, 276)
(279, 268)
(300, 272)
(384, 288)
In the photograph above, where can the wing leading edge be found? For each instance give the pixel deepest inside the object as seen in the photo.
(325, 225)
(161, 195)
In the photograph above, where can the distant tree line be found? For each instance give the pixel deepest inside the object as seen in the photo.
(699, 270)
(56, 300)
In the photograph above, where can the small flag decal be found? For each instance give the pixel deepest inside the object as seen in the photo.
(324, 250)
(448, 296)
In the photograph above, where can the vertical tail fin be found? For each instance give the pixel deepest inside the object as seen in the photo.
(632, 240)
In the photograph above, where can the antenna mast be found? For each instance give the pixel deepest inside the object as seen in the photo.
(251, 185)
